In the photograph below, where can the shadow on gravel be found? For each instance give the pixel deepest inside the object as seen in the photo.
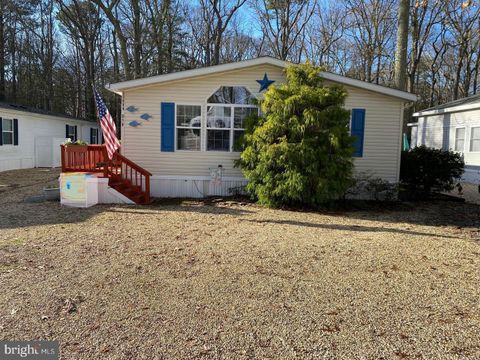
(355, 228)
(429, 213)
(204, 209)
(23, 215)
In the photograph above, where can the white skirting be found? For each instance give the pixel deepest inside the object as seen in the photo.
(471, 175)
(194, 186)
(17, 163)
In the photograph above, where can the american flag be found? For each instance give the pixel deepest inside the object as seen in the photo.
(109, 129)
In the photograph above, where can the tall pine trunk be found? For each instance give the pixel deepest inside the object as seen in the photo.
(2, 52)
(402, 44)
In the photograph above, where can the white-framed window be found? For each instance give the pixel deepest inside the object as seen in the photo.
(7, 131)
(93, 136)
(188, 127)
(71, 133)
(460, 139)
(475, 139)
(225, 125)
(227, 109)
(219, 123)
(240, 113)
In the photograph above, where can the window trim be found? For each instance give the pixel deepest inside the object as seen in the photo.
(184, 127)
(455, 139)
(254, 94)
(69, 128)
(232, 127)
(470, 138)
(8, 131)
(96, 136)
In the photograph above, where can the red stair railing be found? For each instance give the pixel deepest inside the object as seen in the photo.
(123, 170)
(124, 175)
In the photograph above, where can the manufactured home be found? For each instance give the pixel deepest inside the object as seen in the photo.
(179, 131)
(452, 126)
(182, 126)
(31, 138)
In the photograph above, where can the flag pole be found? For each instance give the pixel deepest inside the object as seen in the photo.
(107, 125)
(100, 132)
(96, 109)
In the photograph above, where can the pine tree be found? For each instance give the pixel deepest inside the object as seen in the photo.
(300, 151)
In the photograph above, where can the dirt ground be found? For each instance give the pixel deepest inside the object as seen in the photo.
(223, 279)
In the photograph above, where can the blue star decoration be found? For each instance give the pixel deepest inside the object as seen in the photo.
(265, 83)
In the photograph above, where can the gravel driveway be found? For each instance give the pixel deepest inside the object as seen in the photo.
(230, 280)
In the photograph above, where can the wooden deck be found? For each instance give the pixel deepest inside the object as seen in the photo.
(124, 175)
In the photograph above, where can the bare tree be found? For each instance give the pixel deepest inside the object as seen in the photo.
(216, 15)
(462, 16)
(109, 9)
(283, 23)
(425, 19)
(371, 32)
(82, 22)
(325, 36)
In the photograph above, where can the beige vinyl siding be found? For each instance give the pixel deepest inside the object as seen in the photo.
(382, 136)
(142, 143)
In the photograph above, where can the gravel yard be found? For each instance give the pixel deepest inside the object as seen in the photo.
(223, 279)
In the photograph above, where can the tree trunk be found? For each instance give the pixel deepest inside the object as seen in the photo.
(137, 39)
(402, 44)
(2, 53)
(113, 18)
(458, 71)
(476, 74)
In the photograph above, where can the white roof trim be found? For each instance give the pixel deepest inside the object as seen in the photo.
(124, 85)
(369, 86)
(193, 73)
(447, 110)
(38, 116)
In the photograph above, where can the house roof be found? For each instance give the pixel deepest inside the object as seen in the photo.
(121, 86)
(17, 107)
(468, 103)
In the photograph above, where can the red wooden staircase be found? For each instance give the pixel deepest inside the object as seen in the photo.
(123, 175)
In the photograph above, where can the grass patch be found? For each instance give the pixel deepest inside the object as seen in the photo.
(12, 242)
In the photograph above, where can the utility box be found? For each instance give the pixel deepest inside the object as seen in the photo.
(78, 189)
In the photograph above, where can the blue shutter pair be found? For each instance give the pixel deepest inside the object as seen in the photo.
(167, 112)
(358, 131)
(168, 128)
(15, 131)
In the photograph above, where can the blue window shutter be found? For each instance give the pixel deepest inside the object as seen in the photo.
(66, 131)
(358, 130)
(15, 131)
(91, 135)
(168, 127)
(1, 134)
(76, 136)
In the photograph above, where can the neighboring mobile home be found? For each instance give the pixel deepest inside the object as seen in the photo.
(182, 126)
(452, 126)
(31, 138)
